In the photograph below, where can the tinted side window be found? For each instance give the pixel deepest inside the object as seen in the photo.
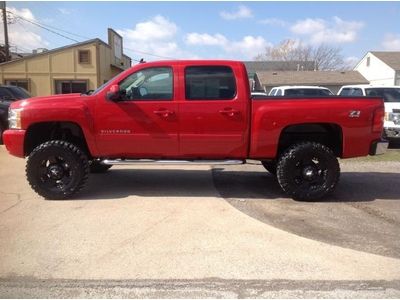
(278, 93)
(345, 92)
(302, 92)
(357, 92)
(388, 94)
(5, 95)
(148, 84)
(351, 92)
(325, 92)
(272, 92)
(209, 83)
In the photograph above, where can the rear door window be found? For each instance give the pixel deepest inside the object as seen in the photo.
(209, 83)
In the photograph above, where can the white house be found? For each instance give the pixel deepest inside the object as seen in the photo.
(380, 67)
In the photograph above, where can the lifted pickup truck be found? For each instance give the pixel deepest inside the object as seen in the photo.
(190, 112)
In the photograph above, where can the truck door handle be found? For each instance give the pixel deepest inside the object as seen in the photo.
(229, 112)
(163, 112)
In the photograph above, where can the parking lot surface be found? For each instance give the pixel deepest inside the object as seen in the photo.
(201, 232)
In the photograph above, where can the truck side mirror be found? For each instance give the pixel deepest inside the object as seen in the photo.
(114, 93)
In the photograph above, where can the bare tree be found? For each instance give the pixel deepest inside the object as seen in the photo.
(322, 57)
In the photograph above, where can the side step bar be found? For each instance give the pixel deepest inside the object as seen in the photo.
(170, 162)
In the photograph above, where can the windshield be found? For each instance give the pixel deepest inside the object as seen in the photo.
(388, 94)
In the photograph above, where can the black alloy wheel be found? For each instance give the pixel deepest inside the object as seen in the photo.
(308, 171)
(57, 170)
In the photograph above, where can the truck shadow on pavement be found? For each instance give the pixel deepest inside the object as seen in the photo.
(228, 183)
(350, 218)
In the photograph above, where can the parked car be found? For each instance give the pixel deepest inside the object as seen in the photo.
(9, 94)
(300, 91)
(391, 97)
(190, 112)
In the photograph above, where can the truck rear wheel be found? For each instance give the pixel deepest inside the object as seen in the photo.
(57, 170)
(308, 171)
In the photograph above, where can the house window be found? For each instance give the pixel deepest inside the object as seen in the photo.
(70, 86)
(368, 61)
(23, 83)
(84, 56)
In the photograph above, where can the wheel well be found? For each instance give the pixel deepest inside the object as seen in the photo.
(66, 131)
(327, 134)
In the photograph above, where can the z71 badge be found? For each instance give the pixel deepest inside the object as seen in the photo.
(354, 114)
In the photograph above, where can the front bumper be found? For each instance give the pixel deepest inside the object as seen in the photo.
(14, 141)
(378, 147)
(392, 133)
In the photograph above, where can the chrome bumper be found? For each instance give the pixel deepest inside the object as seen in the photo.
(378, 147)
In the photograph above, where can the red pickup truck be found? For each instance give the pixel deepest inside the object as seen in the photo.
(185, 112)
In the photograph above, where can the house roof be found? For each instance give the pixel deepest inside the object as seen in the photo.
(30, 55)
(391, 58)
(311, 78)
(258, 66)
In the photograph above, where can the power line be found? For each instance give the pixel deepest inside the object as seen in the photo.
(147, 53)
(20, 47)
(52, 27)
(49, 28)
(45, 28)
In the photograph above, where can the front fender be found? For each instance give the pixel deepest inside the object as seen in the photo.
(77, 114)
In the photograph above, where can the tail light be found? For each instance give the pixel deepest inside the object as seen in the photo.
(379, 115)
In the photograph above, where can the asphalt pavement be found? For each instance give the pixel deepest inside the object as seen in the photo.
(197, 231)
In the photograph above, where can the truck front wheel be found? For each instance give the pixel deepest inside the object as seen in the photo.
(57, 170)
(308, 171)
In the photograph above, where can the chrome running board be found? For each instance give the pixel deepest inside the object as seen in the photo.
(170, 162)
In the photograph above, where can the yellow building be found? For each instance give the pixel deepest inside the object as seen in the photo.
(71, 69)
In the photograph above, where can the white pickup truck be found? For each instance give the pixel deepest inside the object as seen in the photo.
(391, 96)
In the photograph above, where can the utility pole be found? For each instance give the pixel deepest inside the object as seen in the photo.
(6, 46)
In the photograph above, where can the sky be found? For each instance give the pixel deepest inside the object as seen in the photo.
(220, 30)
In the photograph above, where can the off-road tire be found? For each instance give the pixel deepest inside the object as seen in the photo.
(270, 166)
(97, 167)
(57, 158)
(308, 171)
